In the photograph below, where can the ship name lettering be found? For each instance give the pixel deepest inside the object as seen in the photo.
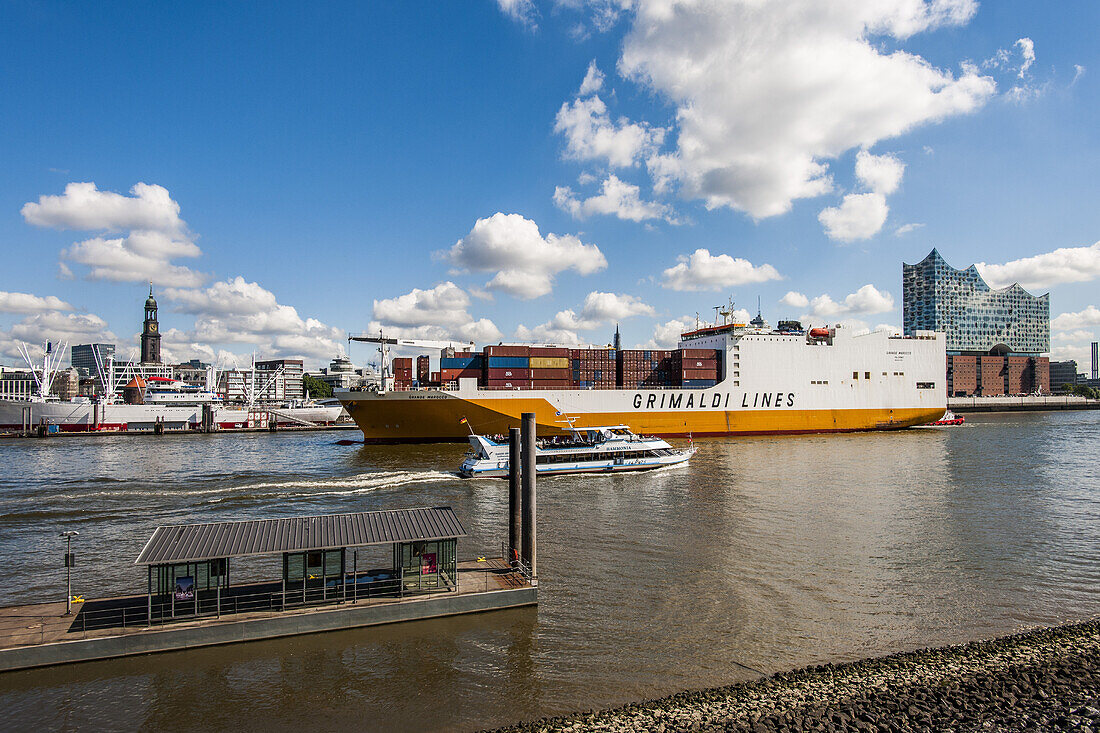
(651, 401)
(691, 401)
(674, 401)
(716, 400)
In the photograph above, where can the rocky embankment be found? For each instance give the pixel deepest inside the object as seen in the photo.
(1043, 679)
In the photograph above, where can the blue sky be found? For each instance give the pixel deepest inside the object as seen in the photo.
(436, 169)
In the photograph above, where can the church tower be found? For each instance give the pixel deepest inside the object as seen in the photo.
(150, 335)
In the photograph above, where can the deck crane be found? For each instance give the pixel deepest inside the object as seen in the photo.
(384, 342)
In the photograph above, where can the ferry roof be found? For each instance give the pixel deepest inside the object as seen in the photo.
(198, 542)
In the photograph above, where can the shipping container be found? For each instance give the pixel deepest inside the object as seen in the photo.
(403, 362)
(699, 353)
(453, 375)
(508, 362)
(699, 374)
(551, 384)
(549, 362)
(699, 383)
(700, 364)
(508, 384)
(461, 362)
(491, 351)
(549, 352)
(492, 373)
(551, 374)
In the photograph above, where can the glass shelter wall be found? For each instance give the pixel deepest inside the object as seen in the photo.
(427, 565)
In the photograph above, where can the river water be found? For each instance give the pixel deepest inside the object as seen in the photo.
(764, 553)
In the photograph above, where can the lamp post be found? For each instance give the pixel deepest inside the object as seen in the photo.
(68, 536)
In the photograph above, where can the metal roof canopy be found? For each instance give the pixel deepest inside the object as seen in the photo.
(198, 542)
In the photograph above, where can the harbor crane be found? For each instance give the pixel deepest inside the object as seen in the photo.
(384, 342)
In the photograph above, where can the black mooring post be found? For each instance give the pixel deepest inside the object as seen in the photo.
(528, 481)
(513, 494)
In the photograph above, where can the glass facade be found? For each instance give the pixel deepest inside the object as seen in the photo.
(975, 318)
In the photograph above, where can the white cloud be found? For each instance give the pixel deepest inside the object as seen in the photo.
(766, 93)
(236, 311)
(616, 197)
(795, 300)
(28, 303)
(525, 262)
(55, 326)
(591, 135)
(859, 216)
(599, 309)
(906, 228)
(666, 335)
(84, 207)
(1087, 318)
(1027, 52)
(1078, 72)
(440, 313)
(521, 11)
(703, 271)
(1080, 353)
(156, 233)
(865, 301)
(593, 80)
(879, 173)
(1063, 265)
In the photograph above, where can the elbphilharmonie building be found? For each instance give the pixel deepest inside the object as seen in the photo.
(976, 318)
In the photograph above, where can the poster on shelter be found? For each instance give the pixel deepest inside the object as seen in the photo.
(185, 588)
(428, 565)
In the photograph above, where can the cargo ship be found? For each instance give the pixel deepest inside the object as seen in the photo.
(724, 379)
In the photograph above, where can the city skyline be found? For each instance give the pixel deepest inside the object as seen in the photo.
(521, 171)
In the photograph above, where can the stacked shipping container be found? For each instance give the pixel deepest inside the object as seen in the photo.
(593, 368)
(544, 367)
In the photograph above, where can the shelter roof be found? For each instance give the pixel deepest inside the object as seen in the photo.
(198, 542)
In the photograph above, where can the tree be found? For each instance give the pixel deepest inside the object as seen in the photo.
(316, 388)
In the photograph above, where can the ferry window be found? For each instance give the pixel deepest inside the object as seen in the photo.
(926, 385)
(867, 375)
(855, 375)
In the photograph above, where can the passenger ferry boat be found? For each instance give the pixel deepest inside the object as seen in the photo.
(601, 449)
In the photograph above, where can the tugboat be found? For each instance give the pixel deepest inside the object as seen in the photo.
(604, 449)
(949, 418)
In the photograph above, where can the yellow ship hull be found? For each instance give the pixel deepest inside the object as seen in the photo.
(395, 418)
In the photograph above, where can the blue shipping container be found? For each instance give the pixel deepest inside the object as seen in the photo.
(460, 362)
(508, 362)
(698, 383)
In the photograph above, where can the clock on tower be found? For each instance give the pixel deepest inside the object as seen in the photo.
(150, 337)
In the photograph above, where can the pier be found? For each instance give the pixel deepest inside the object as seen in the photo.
(190, 601)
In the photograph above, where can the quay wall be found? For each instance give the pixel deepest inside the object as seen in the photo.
(1014, 404)
(221, 631)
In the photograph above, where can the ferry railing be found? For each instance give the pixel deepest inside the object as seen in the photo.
(138, 612)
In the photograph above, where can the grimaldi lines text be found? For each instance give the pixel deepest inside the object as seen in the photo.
(770, 382)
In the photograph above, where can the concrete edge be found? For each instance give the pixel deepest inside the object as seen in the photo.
(174, 639)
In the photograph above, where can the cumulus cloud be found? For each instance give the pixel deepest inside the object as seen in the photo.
(617, 198)
(1087, 318)
(865, 301)
(525, 262)
(767, 93)
(439, 313)
(906, 228)
(593, 80)
(155, 233)
(859, 216)
(666, 335)
(599, 309)
(236, 311)
(54, 326)
(795, 300)
(28, 303)
(1063, 265)
(590, 134)
(703, 271)
(879, 173)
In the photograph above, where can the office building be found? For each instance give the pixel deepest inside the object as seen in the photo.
(83, 357)
(1062, 372)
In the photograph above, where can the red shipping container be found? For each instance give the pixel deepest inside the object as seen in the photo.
(508, 373)
(548, 351)
(700, 374)
(507, 350)
(700, 364)
(508, 384)
(699, 353)
(551, 384)
(403, 362)
(453, 375)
